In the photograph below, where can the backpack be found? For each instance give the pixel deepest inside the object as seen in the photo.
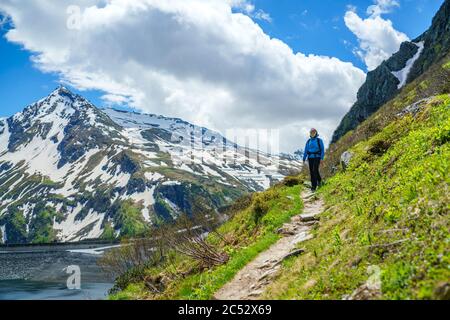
(315, 153)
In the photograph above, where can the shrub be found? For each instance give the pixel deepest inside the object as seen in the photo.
(130, 255)
(292, 181)
(260, 207)
(379, 147)
(188, 238)
(133, 275)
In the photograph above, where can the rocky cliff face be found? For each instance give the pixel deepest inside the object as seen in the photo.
(70, 171)
(437, 42)
(412, 60)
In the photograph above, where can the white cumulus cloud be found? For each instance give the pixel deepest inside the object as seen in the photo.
(377, 37)
(205, 61)
(382, 6)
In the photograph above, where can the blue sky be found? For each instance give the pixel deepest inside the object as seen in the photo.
(21, 82)
(306, 26)
(318, 27)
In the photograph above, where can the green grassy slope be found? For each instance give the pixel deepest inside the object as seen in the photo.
(388, 210)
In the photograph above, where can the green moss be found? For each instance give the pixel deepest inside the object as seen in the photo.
(397, 276)
(446, 65)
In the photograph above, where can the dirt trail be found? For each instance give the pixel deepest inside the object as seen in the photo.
(250, 282)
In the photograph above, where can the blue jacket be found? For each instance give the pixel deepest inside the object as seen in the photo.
(314, 149)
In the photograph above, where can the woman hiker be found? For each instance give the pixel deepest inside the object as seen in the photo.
(314, 152)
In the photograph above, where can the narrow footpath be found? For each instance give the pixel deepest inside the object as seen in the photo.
(251, 282)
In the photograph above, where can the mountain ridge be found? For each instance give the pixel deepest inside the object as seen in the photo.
(382, 85)
(70, 171)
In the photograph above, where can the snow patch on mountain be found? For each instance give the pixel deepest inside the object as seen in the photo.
(147, 199)
(69, 229)
(402, 75)
(41, 156)
(153, 176)
(4, 136)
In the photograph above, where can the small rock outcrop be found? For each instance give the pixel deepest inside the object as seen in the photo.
(415, 108)
(345, 159)
(371, 289)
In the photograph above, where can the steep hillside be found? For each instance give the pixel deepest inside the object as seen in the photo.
(435, 81)
(413, 59)
(69, 171)
(385, 234)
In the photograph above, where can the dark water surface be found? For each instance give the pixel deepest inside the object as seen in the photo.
(39, 290)
(28, 273)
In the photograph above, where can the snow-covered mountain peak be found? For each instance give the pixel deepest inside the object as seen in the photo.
(86, 167)
(62, 93)
(171, 130)
(61, 102)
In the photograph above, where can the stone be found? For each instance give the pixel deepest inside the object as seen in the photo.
(309, 217)
(414, 108)
(293, 253)
(442, 291)
(345, 159)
